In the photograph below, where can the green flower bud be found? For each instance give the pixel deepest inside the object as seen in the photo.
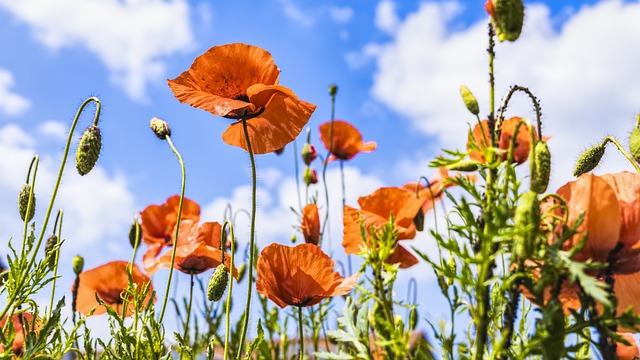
(309, 153)
(418, 220)
(589, 159)
(23, 203)
(413, 318)
(527, 221)
(469, 100)
(78, 264)
(133, 240)
(333, 89)
(218, 283)
(88, 150)
(540, 167)
(507, 17)
(49, 251)
(310, 176)
(634, 144)
(160, 128)
(242, 270)
(465, 165)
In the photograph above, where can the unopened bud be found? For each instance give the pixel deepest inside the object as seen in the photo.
(49, 250)
(78, 264)
(310, 176)
(465, 166)
(309, 153)
(540, 167)
(634, 144)
(333, 89)
(527, 221)
(134, 230)
(293, 238)
(23, 203)
(160, 128)
(418, 220)
(279, 151)
(217, 283)
(507, 16)
(88, 150)
(469, 100)
(589, 159)
(242, 269)
(413, 318)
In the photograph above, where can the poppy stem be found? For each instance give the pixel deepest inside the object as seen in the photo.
(252, 240)
(175, 236)
(623, 151)
(57, 257)
(228, 303)
(186, 323)
(300, 330)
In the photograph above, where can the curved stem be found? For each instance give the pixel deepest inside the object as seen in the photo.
(534, 100)
(252, 240)
(175, 236)
(301, 331)
(623, 151)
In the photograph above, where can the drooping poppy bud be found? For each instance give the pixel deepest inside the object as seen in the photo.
(634, 143)
(78, 264)
(507, 17)
(589, 159)
(309, 153)
(218, 283)
(160, 128)
(418, 221)
(310, 176)
(527, 221)
(333, 89)
(23, 203)
(469, 100)
(49, 246)
(133, 230)
(540, 167)
(88, 150)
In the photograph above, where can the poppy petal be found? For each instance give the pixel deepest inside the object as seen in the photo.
(403, 257)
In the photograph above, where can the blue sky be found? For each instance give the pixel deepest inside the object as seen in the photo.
(398, 65)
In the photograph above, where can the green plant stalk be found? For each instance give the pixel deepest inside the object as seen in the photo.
(534, 100)
(228, 303)
(252, 238)
(35, 161)
(301, 335)
(324, 174)
(623, 151)
(55, 264)
(175, 236)
(45, 222)
(130, 269)
(186, 323)
(297, 173)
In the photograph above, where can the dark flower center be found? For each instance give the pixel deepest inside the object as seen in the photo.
(242, 97)
(111, 296)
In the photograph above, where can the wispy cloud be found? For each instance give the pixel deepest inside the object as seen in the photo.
(11, 104)
(293, 12)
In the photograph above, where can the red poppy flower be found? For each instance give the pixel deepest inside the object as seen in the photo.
(241, 81)
(197, 250)
(627, 352)
(299, 276)
(523, 140)
(159, 221)
(347, 140)
(375, 211)
(109, 282)
(429, 195)
(17, 346)
(310, 225)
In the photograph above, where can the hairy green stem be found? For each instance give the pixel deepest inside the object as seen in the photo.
(177, 228)
(57, 257)
(186, 323)
(301, 331)
(228, 303)
(252, 238)
(324, 174)
(623, 151)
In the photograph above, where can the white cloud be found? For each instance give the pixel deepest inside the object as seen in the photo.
(295, 13)
(54, 129)
(387, 18)
(341, 15)
(11, 104)
(581, 73)
(131, 37)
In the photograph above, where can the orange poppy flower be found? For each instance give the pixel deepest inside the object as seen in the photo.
(429, 195)
(17, 346)
(299, 276)
(310, 224)
(375, 211)
(108, 282)
(627, 352)
(197, 250)
(159, 221)
(522, 146)
(347, 140)
(241, 81)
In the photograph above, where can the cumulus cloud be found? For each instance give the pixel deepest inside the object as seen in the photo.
(130, 37)
(387, 18)
(581, 73)
(341, 15)
(11, 104)
(53, 129)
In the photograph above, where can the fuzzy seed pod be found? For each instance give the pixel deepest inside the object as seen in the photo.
(23, 203)
(589, 159)
(133, 240)
(413, 318)
(465, 165)
(309, 153)
(242, 269)
(218, 283)
(418, 220)
(160, 128)
(88, 150)
(527, 220)
(540, 167)
(469, 100)
(78, 264)
(49, 246)
(507, 16)
(310, 176)
(634, 144)
(333, 89)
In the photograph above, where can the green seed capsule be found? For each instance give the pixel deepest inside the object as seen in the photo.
(88, 150)
(469, 100)
(465, 165)
(418, 220)
(333, 89)
(634, 144)
(589, 159)
(527, 221)
(242, 269)
(78, 264)
(23, 203)
(160, 128)
(218, 283)
(49, 246)
(508, 20)
(540, 167)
